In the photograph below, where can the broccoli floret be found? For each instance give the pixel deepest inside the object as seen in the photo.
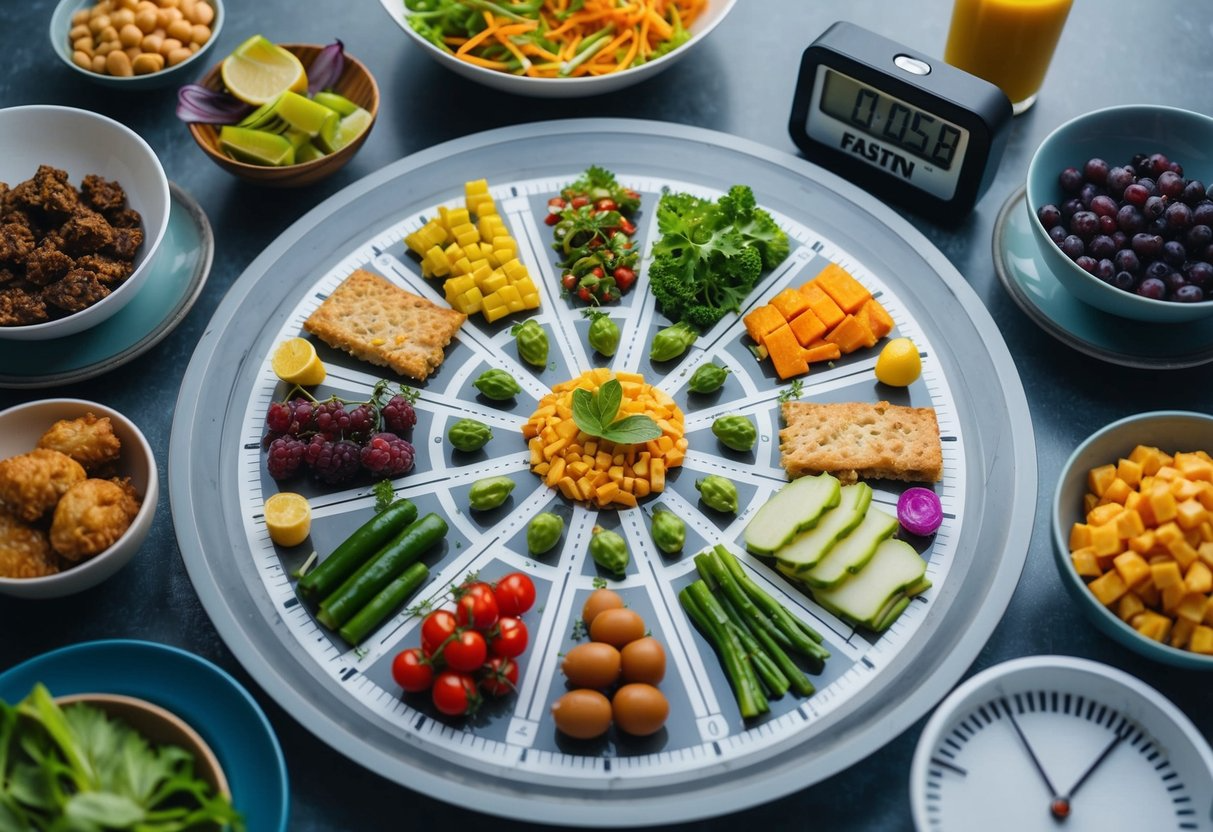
(756, 225)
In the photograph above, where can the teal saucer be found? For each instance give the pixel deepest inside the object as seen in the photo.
(178, 275)
(1117, 340)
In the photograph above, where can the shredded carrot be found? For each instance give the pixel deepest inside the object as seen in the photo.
(565, 39)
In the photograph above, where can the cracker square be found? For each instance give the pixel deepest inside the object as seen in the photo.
(858, 440)
(376, 321)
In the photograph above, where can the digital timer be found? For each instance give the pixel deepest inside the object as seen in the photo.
(898, 123)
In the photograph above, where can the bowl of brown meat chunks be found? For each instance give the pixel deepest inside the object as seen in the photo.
(84, 204)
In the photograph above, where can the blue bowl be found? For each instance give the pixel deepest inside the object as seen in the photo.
(1169, 430)
(182, 73)
(1116, 134)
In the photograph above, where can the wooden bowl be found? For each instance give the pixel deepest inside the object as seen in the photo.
(159, 727)
(356, 83)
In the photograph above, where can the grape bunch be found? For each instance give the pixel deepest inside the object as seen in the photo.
(1141, 227)
(334, 439)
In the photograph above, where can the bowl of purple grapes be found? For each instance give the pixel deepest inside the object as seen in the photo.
(1122, 201)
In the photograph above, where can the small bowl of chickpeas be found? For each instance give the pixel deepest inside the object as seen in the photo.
(135, 44)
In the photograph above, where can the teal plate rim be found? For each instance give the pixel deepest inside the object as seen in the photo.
(1078, 325)
(218, 707)
(182, 266)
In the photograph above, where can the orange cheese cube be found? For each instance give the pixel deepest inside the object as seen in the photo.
(823, 305)
(844, 289)
(786, 353)
(1085, 563)
(762, 320)
(876, 317)
(1108, 588)
(1098, 479)
(1129, 605)
(1165, 574)
(1129, 471)
(807, 327)
(789, 303)
(1132, 568)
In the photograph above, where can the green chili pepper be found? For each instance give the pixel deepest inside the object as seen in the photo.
(708, 378)
(671, 342)
(532, 341)
(718, 492)
(604, 332)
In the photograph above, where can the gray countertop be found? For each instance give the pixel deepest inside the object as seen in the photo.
(740, 82)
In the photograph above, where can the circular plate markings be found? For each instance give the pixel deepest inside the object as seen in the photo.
(707, 760)
(1079, 325)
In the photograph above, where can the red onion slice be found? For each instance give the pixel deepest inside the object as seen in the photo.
(919, 511)
(327, 68)
(196, 103)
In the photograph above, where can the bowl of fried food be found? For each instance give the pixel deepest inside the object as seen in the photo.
(84, 204)
(78, 489)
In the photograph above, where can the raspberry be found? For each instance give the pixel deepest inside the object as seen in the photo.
(285, 456)
(312, 449)
(398, 414)
(387, 455)
(331, 418)
(362, 420)
(334, 462)
(278, 417)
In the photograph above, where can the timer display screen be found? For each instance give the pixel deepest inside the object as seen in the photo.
(928, 137)
(907, 143)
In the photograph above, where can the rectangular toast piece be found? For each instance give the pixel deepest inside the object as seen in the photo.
(858, 440)
(376, 321)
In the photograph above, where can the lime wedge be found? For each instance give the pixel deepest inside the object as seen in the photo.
(308, 152)
(256, 146)
(258, 71)
(335, 102)
(345, 131)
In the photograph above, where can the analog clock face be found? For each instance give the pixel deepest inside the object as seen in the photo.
(1056, 743)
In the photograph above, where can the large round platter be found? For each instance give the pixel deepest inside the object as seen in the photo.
(706, 761)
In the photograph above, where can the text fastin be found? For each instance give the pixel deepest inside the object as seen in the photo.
(885, 158)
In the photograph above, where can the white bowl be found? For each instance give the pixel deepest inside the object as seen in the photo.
(563, 87)
(82, 142)
(20, 429)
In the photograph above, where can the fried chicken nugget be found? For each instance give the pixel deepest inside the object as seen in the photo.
(31, 484)
(89, 440)
(24, 551)
(91, 516)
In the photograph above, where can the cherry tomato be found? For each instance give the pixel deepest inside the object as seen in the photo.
(515, 594)
(509, 638)
(569, 281)
(556, 202)
(606, 204)
(580, 202)
(466, 652)
(627, 226)
(585, 294)
(411, 671)
(624, 277)
(551, 219)
(476, 606)
(598, 272)
(500, 676)
(437, 627)
(454, 694)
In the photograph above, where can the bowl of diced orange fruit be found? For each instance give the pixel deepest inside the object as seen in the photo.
(1133, 534)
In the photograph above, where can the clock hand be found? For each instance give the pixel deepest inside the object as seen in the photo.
(1120, 735)
(1032, 754)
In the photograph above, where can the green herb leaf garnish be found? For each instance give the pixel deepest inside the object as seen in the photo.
(595, 414)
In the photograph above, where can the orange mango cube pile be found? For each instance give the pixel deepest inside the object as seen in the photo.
(1146, 546)
(588, 469)
(472, 249)
(829, 316)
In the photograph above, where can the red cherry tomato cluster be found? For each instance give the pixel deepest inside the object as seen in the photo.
(470, 651)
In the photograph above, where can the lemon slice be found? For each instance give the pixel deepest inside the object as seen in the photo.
(288, 518)
(295, 362)
(898, 364)
(259, 71)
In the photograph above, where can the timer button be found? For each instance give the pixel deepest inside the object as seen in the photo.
(912, 65)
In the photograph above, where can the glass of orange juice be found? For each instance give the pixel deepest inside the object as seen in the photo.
(1007, 42)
